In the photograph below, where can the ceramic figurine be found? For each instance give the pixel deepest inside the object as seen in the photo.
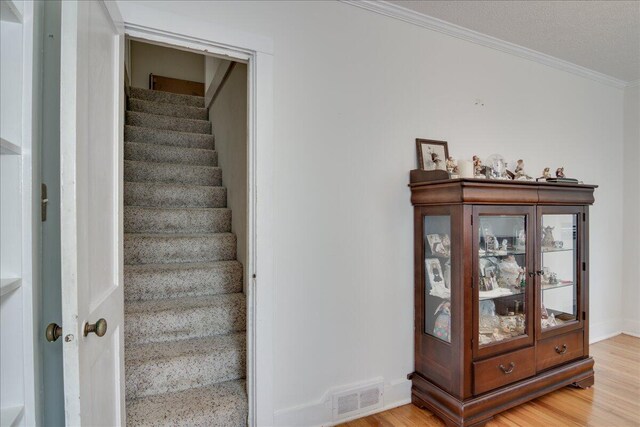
(547, 237)
(505, 244)
(560, 172)
(520, 173)
(477, 165)
(452, 165)
(546, 173)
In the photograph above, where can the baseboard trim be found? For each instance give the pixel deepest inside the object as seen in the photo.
(320, 413)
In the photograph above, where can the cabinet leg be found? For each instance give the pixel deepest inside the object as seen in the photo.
(585, 383)
(418, 402)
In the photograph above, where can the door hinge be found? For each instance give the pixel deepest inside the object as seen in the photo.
(471, 219)
(584, 266)
(254, 275)
(584, 216)
(44, 201)
(584, 315)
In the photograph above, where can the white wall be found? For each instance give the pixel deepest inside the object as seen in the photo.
(352, 90)
(631, 242)
(148, 58)
(228, 115)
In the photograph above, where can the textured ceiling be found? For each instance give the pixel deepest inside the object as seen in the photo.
(603, 36)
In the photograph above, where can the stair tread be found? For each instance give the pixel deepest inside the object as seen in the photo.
(177, 209)
(179, 266)
(184, 303)
(150, 144)
(161, 104)
(178, 235)
(226, 403)
(172, 184)
(142, 353)
(142, 113)
(141, 93)
(160, 164)
(134, 133)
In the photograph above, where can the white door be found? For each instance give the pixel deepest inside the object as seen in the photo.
(91, 112)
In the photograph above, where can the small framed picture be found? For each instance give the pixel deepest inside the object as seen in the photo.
(434, 273)
(432, 155)
(437, 245)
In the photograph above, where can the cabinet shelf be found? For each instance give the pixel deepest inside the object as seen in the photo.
(501, 254)
(7, 147)
(9, 416)
(9, 12)
(547, 287)
(488, 297)
(550, 251)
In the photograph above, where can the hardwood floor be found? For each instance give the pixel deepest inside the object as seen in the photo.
(614, 400)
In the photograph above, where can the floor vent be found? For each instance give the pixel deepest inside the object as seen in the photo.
(354, 401)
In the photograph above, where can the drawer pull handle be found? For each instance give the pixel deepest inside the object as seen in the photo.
(508, 371)
(562, 350)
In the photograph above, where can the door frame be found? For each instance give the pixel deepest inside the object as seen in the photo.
(158, 27)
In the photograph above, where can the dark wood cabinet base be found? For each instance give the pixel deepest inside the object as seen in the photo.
(478, 410)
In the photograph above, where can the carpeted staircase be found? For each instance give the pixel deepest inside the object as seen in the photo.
(184, 332)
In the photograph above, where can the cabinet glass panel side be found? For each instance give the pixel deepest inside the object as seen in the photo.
(559, 277)
(437, 274)
(502, 278)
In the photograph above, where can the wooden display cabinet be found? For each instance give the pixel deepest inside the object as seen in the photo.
(501, 294)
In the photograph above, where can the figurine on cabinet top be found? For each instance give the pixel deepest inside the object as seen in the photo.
(520, 174)
(546, 173)
(477, 166)
(560, 172)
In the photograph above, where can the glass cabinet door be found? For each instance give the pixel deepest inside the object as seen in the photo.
(558, 276)
(502, 277)
(437, 274)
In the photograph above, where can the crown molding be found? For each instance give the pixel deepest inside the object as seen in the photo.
(634, 83)
(412, 17)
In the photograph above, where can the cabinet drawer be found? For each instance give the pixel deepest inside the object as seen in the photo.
(502, 370)
(558, 350)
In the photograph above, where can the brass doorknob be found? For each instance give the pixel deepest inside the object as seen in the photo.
(53, 332)
(99, 328)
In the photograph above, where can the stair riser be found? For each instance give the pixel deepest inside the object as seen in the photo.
(173, 196)
(166, 154)
(147, 220)
(168, 249)
(167, 97)
(168, 123)
(163, 376)
(166, 109)
(135, 171)
(163, 326)
(175, 139)
(175, 283)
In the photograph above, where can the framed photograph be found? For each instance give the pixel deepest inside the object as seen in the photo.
(434, 273)
(436, 244)
(432, 155)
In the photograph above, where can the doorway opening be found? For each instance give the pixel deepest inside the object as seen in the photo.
(186, 234)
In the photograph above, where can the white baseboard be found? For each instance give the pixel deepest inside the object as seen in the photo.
(603, 330)
(320, 413)
(631, 327)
